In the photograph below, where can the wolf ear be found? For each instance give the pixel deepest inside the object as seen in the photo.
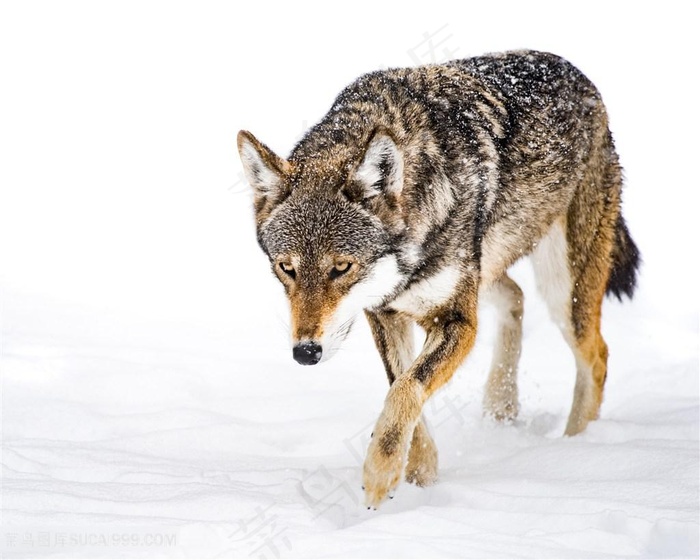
(381, 169)
(264, 170)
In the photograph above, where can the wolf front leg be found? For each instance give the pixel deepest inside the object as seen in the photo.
(393, 335)
(451, 330)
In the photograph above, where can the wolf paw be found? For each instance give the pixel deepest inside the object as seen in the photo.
(381, 475)
(500, 407)
(503, 412)
(386, 457)
(384, 465)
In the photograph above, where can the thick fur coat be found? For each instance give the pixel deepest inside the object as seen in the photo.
(410, 200)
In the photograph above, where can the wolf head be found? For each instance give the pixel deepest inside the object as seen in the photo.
(327, 228)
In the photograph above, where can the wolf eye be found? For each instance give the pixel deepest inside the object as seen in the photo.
(288, 269)
(339, 269)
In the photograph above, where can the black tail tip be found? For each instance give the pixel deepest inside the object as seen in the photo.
(626, 261)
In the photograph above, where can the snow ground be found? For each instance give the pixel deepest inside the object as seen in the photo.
(116, 427)
(150, 406)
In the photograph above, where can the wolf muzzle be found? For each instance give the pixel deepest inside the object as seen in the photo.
(307, 353)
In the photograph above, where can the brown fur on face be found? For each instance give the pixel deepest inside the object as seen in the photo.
(314, 291)
(310, 312)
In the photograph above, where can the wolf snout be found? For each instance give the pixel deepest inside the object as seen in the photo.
(307, 353)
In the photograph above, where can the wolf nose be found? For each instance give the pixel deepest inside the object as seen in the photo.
(307, 353)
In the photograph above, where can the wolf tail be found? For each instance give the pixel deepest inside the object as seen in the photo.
(625, 263)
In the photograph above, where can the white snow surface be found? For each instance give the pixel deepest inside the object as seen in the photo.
(150, 404)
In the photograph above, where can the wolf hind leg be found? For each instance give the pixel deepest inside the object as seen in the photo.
(393, 336)
(501, 391)
(591, 354)
(573, 290)
(584, 336)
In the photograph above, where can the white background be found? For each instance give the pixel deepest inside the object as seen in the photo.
(127, 237)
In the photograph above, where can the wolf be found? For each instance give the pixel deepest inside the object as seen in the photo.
(410, 200)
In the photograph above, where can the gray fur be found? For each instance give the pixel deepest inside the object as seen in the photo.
(450, 173)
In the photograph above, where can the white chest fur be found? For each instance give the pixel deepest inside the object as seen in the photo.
(429, 293)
